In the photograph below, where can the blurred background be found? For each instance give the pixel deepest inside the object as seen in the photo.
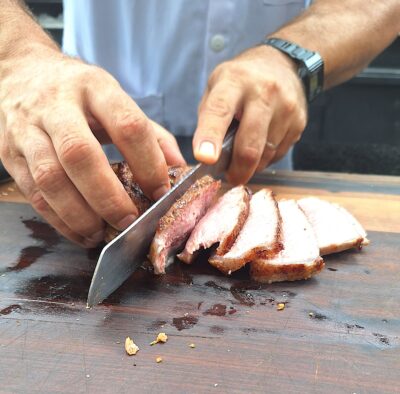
(352, 128)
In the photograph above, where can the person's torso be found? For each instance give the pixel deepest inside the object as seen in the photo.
(163, 51)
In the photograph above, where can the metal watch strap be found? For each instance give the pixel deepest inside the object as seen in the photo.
(311, 65)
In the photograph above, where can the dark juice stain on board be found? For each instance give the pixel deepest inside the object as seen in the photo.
(184, 322)
(216, 310)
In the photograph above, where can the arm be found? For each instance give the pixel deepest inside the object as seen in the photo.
(347, 34)
(260, 87)
(54, 112)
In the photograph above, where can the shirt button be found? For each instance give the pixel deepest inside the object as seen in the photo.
(217, 42)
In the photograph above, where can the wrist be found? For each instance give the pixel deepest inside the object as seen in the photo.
(21, 35)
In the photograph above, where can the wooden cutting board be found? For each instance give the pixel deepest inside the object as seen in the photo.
(339, 332)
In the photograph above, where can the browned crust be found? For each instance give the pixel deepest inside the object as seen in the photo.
(134, 191)
(191, 194)
(229, 240)
(228, 265)
(263, 272)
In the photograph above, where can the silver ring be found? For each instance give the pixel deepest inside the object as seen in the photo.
(271, 145)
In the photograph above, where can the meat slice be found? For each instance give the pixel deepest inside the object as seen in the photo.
(221, 224)
(299, 258)
(259, 237)
(334, 227)
(176, 225)
(134, 191)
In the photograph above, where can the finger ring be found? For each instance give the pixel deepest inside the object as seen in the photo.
(271, 145)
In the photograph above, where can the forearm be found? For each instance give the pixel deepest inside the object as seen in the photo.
(348, 34)
(19, 32)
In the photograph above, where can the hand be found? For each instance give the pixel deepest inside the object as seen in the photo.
(54, 113)
(260, 87)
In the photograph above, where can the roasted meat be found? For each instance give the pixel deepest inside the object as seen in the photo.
(176, 225)
(134, 191)
(299, 259)
(221, 224)
(334, 227)
(259, 238)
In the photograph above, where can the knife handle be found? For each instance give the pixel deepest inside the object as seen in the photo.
(227, 147)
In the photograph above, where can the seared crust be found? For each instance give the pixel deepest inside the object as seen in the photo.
(176, 225)
(134, 191)
(193, 193)
(228, 265)
(263, 272)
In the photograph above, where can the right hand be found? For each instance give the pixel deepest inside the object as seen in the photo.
(55, 112)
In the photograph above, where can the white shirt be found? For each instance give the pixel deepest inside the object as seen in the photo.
(162, 51)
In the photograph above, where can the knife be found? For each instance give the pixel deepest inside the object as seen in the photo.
(125, 253)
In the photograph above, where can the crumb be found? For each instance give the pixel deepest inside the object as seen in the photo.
(281, 306)
(73, 304)
(192, 345)
(130, 347)
(77, 319)
(4, 194)
(215, 384)
(311, 314)
(88, 376)
(118, 342)
(159, 360)
(161, 337)
(10, 189)
(229, 272)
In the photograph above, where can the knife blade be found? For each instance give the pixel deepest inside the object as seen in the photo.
(124, 254)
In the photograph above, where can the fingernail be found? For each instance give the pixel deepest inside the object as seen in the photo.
(126, 221)
(207, 149)
(160, 192)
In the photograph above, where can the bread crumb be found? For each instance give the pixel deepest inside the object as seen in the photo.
(159, 360)
(130, 347)
(192, 345)
(161, 337)
(281, 306)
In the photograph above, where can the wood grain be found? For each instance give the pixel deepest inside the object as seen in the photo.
(49, 341)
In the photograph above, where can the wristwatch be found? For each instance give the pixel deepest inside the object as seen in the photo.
(310, 65)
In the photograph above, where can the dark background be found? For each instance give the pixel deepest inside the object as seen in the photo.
(352, 128)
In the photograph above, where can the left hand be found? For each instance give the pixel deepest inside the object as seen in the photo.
(260, 88)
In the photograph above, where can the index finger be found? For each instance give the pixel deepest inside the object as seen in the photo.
(216, 112)
(86, 165)
(133, 133)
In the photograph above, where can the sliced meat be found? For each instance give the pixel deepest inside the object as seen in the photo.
(334, 227)
(259, 237)
(176, 225)
(221, 224)
(134, 191)
(299, 258)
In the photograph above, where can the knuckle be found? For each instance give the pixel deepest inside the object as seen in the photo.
(289, 106)
(38, 202)
(131, 127)
(112, 208)
(218, 106)
(248, 156)
(74, 149)
(46, 175)
(269, 88)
